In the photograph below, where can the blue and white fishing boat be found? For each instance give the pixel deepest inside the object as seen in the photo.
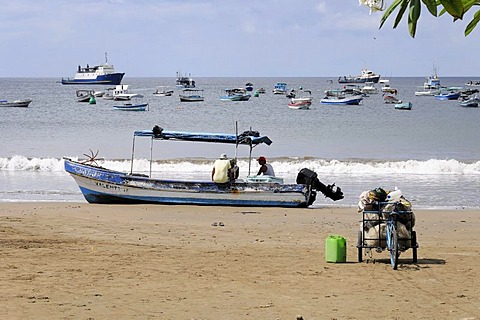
(347, 100)
(101, 74)
(280, 88)
(102, 185)
(453, 95)
(136, 104)
(237, 94)
(191, 95)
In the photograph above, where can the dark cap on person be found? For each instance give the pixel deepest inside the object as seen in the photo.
(262, 158)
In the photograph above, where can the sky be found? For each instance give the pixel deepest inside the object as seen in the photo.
(226, 38)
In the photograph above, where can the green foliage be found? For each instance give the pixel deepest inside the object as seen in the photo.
(455, 8)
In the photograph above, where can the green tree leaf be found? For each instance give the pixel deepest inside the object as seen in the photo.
(400, 13)
(389, 11)
(473, 23)
(413, 16)
(431, 6)
(454, 8)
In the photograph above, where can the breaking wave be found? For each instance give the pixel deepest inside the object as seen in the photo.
(281, 165)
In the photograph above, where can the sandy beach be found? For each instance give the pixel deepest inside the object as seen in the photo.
(84, 261)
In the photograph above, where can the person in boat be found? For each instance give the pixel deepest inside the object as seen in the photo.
(221, 169)
(234, 172)
(265, 168)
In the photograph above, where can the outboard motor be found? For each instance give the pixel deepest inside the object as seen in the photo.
(308, 177)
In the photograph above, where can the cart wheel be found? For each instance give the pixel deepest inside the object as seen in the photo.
(414, 246)
(359, 246)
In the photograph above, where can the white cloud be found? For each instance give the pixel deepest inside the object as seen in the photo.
(321, 7)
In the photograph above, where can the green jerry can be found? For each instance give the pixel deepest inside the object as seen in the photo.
(335, 249)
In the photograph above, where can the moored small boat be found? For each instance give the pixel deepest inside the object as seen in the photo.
(191, 95)
(302, 100)
(280, 88)
(391, 99)
(137, 104)
(472, 102)
(369, 88)
(302, 104)
(403, 106)
(447, 96)
(261, 90)
(121, 93)
(16, 103)
(237, 94)
(163, 91)
(427, 92)
(84, 95)
(344, 100)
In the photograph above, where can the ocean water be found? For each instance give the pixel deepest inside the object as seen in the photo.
(431, 153)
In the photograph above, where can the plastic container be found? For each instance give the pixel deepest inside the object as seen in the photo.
(335, 249)
(394, 196)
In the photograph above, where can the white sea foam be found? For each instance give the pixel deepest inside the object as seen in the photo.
(281, 165)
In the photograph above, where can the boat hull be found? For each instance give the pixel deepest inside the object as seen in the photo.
(100, 185)
(191, 99)
(448, 96)
(132, 107)
(470, 103)
(358, 79)
(356, 100)
(403, 106)
(107, 79)
(302, 105)
(236, 97)
(16, 103)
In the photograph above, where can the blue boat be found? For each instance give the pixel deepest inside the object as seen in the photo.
(137, 104)
(280, 88)
(102, 185)
(447, 96)
(347, 100)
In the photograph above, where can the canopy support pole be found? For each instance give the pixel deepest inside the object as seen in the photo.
(151, 156)
(133, 152)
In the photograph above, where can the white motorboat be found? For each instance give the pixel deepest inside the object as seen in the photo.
(16, 103)
(163, 91)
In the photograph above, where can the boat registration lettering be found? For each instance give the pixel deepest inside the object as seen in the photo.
(110, 186)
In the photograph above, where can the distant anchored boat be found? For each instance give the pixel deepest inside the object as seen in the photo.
(236, 94)
(137, 105)
(184, 81)
(16, 103)
(366, 76)
(350, 100)
(101, 74)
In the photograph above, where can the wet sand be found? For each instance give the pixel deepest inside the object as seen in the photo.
(84, 261)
